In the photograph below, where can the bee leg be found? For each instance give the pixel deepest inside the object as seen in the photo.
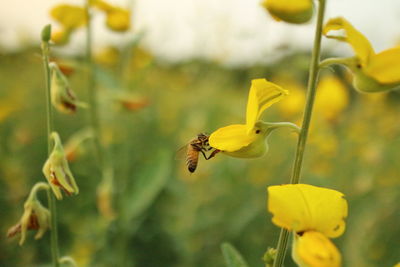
(215, 152)
(204, 155)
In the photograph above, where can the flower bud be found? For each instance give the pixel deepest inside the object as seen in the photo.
(62, 97)
(118, 20)
(297, 12)
(313, 249)
(46, 33)
(269, 257)
(35, 217)
(57, 172)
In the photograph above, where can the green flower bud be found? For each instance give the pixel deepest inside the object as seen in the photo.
(46, 33)
(62, 97)
(35, 216)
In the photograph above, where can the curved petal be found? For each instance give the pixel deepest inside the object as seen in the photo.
(385, 66)
(313, 249)
(361, 46)
(261, 96)
(70, 16)
(231, 138)
(302, 207)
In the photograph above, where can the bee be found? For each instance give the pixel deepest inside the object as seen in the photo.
(198, 145)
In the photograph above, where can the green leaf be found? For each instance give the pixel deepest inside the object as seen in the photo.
(232, 257)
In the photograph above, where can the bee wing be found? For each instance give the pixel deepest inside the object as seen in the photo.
(181, 153)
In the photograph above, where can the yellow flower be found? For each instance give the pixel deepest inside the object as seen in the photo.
(293, 104)
(70, 18)
(61, 37)
(313, 249)
(314, 214)
(332, 98)
(292, 11)
(373, 72)
(117, 19)
(57, 172)
(302, 207)
(248, 140)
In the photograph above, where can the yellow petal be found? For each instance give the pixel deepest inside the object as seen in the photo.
(313, 249)
(301, 207)
(357, 40)
(292, 11)
(70, 16)
(231, 138)
(261, 96)
(385, 66)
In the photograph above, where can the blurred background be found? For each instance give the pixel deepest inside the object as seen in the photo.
(185, 67)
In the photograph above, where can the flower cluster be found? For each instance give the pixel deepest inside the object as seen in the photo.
(72, 17)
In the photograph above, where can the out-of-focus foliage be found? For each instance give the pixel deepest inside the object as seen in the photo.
(161, 214)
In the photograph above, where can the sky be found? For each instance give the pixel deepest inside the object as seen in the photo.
(233, 32)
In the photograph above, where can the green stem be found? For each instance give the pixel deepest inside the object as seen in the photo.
(347, 61)
(36, 188)
(50, 127)
(93, 110)
(276, 125)
(311, 90)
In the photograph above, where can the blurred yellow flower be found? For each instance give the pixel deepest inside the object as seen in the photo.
(302, 207)
(292, 105)
(105, 192)
(70, 17)
(292, 11)
(248, 140)
(117, 19)
(313, 249)
(61, 36)
(57, 172)
(332, 98)
(108, 56)
(372, 72)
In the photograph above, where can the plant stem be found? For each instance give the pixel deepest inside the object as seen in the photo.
(311, 90)
(50, 127)
(93, 110)
(347, 61)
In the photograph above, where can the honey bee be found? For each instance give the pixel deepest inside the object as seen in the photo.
(198, 145)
